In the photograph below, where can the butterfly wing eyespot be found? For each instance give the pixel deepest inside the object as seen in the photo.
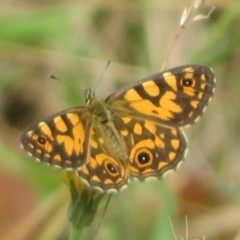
(111, 169)
(143, 157)
(41, 140)
(108, 175)
(61, 140)
(187, 82)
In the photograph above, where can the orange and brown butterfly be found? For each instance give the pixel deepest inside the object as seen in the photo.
(136, 132)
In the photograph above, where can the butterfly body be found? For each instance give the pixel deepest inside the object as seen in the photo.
(135, 132)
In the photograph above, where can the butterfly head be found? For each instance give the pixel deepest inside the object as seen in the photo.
(89, 95)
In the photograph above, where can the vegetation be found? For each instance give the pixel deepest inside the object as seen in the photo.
(73, 40)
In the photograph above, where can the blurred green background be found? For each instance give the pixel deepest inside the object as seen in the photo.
(73, 40)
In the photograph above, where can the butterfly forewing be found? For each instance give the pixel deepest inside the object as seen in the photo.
(61, 140)
(176, 97)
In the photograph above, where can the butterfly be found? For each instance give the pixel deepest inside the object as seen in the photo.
(136, 132)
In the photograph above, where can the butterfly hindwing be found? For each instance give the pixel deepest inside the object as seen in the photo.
(153, 148)
(103, 171)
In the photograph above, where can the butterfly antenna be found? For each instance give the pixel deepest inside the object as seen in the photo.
(103, 214)
(189, 15)
(100, 79)
(64, 81)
